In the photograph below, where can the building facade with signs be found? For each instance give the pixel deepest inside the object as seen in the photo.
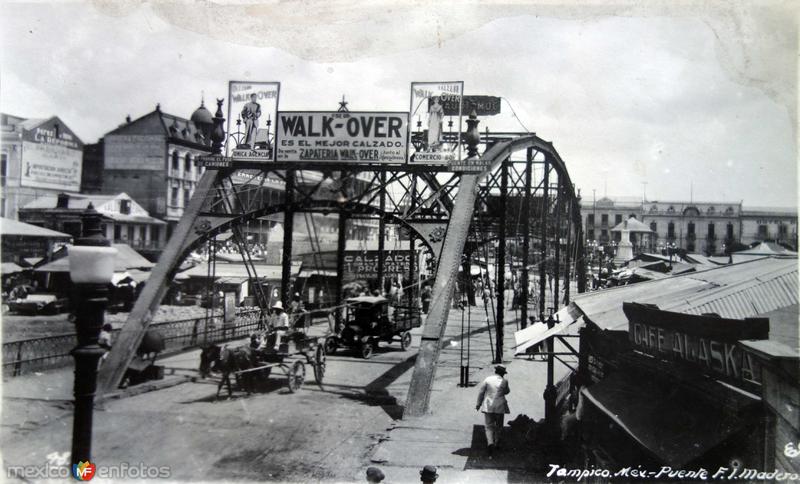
(696, 227)
(39, 157)
(152, 158)
(687, 391)
(124, 220)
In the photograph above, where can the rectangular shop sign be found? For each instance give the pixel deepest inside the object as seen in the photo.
(345, 137)
(707, 344)
(364, 264)
(434, 141)
(252, 109)
(482, 105)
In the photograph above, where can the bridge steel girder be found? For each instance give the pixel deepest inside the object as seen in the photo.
(418, 398)
(197, 227)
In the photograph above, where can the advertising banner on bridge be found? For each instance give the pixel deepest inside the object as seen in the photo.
(434, 141)
(252, 108)
(357, 137)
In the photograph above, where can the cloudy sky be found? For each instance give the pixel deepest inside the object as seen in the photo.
(701, 95)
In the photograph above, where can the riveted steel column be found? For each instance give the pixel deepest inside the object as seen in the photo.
(382, 233)
(568, 238)
(288, 229)
(412, 288)
(543, 247)
(557, 238)
(526, 240)
(501, 265)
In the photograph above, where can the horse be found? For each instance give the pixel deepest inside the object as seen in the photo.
(228, 360)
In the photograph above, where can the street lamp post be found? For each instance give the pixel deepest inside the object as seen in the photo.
(91, 267)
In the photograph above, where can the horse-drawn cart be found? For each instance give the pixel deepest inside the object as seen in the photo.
(251, 365)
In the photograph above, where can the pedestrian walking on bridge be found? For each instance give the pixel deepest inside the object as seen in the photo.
(492, 402)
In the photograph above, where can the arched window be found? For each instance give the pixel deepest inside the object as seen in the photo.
(691, 212)
(175, 161)
(187, 165)
(671, 230)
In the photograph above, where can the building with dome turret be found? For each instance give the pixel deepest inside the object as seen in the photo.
(152, 158)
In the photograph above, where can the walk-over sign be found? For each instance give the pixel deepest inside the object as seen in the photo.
(359, 137)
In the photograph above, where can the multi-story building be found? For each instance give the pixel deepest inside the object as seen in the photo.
(602, 215)
(124, 221)
(699, 227)
(152, 158)
(769, 223)
(39, 157)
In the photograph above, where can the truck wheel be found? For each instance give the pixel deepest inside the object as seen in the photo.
(330, 345)
(366, 349)
(405, 340)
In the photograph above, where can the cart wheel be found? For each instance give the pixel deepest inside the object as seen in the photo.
(319, 364)
(330, 345)
(366, 349)
(297, 375)
(405, 340)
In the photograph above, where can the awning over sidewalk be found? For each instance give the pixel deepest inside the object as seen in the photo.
(670, 422)
(536, 333)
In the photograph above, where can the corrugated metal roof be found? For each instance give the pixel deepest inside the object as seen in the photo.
(735, 291)
(14, 227)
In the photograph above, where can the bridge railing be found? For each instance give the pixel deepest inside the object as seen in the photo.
(44, 353)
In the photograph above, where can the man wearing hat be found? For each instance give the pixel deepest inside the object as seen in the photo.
(280, 323)
(492, 402)
(428, 475)
(374, 475)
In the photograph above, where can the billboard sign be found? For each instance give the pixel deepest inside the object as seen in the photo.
(357, 137)
(364, 264)
(252, 108)
(52, 157)
(434, 141)
(482, 105)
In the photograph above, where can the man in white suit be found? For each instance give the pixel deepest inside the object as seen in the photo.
(492, 402)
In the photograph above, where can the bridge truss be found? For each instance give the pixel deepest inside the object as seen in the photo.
(519, 211)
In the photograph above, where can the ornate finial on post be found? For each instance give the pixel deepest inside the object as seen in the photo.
(343, 106)
(473, 135)
(218, 133)
(92, 231)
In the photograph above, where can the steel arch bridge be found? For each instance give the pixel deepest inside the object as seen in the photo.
(522, 195)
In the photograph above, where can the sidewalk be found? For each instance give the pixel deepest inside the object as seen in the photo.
(452, 436)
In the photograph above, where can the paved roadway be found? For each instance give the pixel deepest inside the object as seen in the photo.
(321, 433)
